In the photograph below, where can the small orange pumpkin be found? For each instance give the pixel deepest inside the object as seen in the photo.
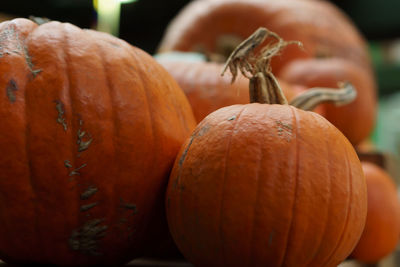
(90, 127)
(266, 184)
(382, 229)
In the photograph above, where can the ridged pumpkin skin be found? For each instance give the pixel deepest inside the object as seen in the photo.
(319, 25)
(356, 120)
(266, 185)
(90, 127)
(382, 229)
(208, 91)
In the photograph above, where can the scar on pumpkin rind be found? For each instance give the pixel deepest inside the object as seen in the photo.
(232, 118)
(82, 145)
(88, 206)
(11, 89)
(60, 116)
(90, 191)
(76, 171)
(29, 62)
(129, 206)
(285, 130)
(67, 164)
(86, 238)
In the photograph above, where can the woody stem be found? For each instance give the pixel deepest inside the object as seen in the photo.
(318, 95)
(263, 86)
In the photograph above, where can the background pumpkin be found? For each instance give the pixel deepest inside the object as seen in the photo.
(89, 131)
(211, 26)
(208, 91)
(324, 30)
(382, 229)
(356, 119)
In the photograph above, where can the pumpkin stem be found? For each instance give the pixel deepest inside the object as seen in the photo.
(263, 87)
(317, 95)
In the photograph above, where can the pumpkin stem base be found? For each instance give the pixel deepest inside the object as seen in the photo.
(263, 86)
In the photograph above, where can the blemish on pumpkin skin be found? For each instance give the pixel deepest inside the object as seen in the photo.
(180, 162)
(86, 238)
(129, 206)
(28, 60)
(232, 118)
(8, 34)
(203, 130)
(67, 164)
(88, 206)
(61, 111)
(271, 236)
(76, 171)
(90, 191)
(285, 130)
(11, 89)
(182, 158)
(15, 45)
(196, 134)
(82, 144)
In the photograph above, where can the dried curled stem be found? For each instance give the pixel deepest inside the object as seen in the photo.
(263, 86)
(317, 95)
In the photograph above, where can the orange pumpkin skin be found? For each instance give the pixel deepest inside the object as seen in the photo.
(208, 91)
(85, 119)
(382, 229)
(323, 29)
(357, 119)
(266, 185)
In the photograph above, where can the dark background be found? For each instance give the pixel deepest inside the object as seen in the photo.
(144, 21)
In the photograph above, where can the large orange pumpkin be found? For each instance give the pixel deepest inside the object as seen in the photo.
(266, 185)
(211, 26)
(382, 229)
(90, 127)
